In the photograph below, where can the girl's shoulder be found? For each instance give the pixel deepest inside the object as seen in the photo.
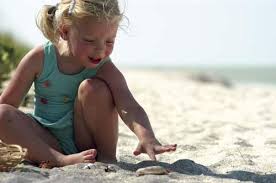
(36, 53)
(34, 59)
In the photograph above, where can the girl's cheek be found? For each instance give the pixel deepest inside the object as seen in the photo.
(83, 49)
(108, 52)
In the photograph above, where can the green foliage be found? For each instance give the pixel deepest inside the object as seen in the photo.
(11, 52)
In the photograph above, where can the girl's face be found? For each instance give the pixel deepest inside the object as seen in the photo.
(90, 41)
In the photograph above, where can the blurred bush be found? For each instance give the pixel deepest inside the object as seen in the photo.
(11, 52)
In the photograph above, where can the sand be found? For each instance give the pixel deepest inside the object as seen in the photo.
(224, 134)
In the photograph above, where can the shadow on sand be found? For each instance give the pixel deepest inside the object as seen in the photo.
(189, 167)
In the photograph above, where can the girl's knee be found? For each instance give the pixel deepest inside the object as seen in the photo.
(5, 110)
(94, 88)
(6, 113)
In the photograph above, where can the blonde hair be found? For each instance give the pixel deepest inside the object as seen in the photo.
(50, 18)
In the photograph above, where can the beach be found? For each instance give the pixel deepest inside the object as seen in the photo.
(224, 133)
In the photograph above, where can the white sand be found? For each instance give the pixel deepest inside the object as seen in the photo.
(223, 134)
(225, 130)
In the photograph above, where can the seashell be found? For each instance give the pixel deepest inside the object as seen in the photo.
(110, 168)
(88, 166)
(45, 164)
(152, 170)
(101, 166)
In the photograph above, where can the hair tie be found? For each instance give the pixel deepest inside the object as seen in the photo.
(71, 7)
(52, 11)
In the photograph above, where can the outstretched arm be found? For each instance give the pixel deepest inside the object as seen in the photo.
(132, 113)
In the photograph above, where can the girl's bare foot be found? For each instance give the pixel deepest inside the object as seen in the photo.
(88, 156)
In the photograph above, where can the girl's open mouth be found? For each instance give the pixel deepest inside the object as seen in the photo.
(94, 61)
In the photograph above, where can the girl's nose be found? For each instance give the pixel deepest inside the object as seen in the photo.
(100, 46)
(100, 53)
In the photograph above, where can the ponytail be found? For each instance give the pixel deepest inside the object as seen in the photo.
(46, 22)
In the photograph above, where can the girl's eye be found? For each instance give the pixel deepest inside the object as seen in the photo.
(109, 42)
(89, 41)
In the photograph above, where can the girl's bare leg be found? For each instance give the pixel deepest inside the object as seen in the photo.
(96, 120)
(18, 128)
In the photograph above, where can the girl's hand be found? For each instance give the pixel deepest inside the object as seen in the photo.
(152, 147)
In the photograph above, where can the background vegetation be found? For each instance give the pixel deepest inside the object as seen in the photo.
(11, 52)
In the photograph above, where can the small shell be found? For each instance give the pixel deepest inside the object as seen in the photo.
(110, 168)
(152, 170)
(88, 166)
(45, 164)
(101, 166)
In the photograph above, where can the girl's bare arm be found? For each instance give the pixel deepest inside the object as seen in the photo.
(131, 112)
(21, 81)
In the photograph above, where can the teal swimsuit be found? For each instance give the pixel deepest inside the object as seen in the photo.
(55, 94)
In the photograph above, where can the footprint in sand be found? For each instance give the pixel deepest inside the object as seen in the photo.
(271, 125)
(270, 142)
(189, 148)
(210, 139)
(239, 128)
(243, 143)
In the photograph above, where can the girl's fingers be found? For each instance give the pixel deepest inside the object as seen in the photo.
(151, 155)
(171, 147)
(138, 150)
(161, 149)
(174, 145)
(154, 150)
(166, 148)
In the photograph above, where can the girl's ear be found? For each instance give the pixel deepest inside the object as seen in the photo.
(63, 31)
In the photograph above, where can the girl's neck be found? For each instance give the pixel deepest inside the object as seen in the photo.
(67, 64)
(63, 51)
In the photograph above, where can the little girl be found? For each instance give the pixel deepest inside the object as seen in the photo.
(79, 92)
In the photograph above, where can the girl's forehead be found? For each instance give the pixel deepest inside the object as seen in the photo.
(91, 24)
(88, 22)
